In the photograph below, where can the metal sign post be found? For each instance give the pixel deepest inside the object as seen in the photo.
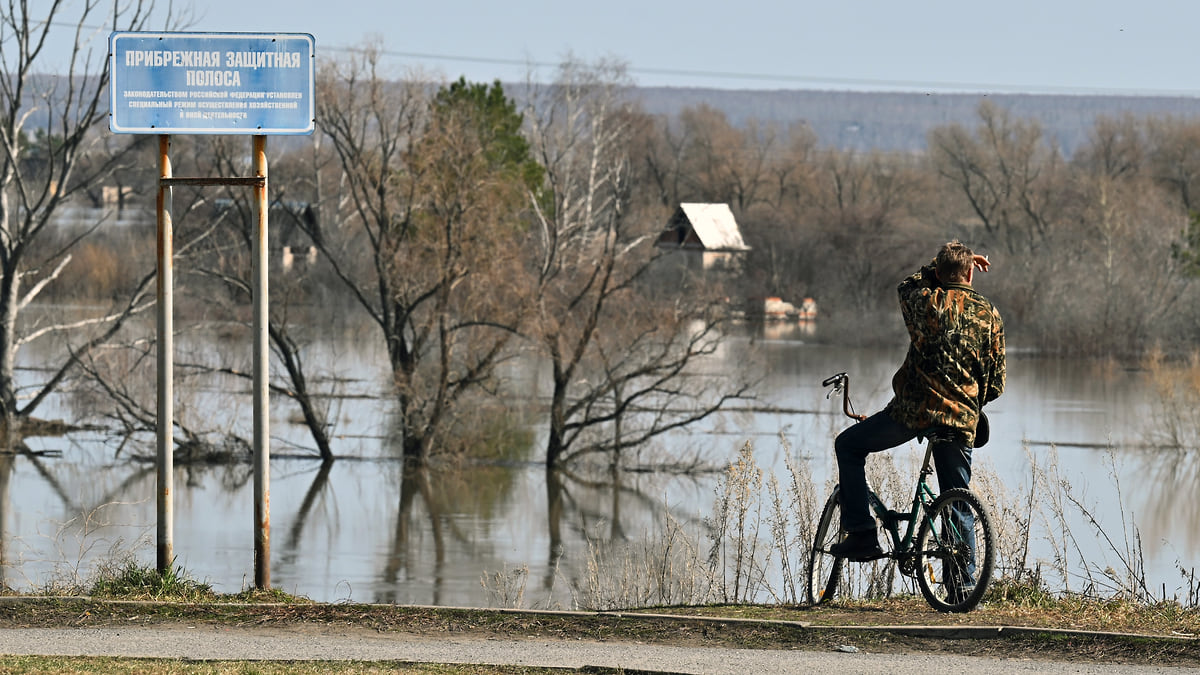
(262, 450)
(212, 83)
(166, 363)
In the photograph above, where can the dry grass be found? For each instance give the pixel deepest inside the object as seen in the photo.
(1176, 413)
(670, 570)
(759, 541)
(1005, 606)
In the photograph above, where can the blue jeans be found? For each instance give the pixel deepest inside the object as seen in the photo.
(951, 459)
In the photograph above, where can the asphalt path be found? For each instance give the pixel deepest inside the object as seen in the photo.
(216, 642)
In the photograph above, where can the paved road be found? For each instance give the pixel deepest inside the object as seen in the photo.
(306, 643)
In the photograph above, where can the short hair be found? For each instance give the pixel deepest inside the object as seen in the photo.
(954, 261)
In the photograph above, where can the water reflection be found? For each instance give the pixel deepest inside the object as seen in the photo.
(555, 495)
(787, 330)
(414, 481)
(1171, 515)
(291, 544)
(441, 513)
(6, 470)
(373, 529)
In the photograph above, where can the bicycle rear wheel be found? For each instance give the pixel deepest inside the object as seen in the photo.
(824, 568)
(955, 552)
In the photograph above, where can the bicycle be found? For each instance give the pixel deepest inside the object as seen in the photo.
(947, 545)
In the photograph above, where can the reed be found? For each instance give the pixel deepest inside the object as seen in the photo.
(761, 527)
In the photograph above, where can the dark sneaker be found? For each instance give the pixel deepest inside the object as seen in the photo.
(858, 546)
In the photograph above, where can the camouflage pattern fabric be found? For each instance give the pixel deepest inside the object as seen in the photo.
(955, 360)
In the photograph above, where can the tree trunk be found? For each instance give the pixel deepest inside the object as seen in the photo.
(8, 344)
(556, 443)
(555, 493)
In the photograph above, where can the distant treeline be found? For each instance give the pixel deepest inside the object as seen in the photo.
(901, 121)
(866, 120)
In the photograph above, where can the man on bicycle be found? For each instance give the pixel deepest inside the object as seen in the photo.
(954, 365)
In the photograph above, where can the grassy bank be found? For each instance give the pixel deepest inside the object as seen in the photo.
(1036, 625)
(657, 623)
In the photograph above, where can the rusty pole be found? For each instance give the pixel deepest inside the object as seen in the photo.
(165, 355)
(262, 449)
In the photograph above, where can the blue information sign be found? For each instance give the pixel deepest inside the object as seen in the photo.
(211, 83)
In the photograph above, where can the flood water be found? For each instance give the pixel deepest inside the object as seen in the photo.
(363, 529)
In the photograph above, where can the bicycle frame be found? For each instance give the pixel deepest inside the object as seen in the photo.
(902, 546)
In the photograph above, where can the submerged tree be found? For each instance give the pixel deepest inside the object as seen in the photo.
(435, 190)
(222, 250)
(53, 148)
(623, 364)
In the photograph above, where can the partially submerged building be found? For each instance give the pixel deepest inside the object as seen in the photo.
(708, 235)
(706, 244)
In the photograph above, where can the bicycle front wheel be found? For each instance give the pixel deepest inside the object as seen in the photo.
(824, 568)
(955, 552)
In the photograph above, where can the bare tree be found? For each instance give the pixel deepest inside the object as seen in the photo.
(791, 175)
(222, 250)
(863, 204)
(1007, 173)
(661, 154)
(1116, 148)
(722, 163)
(1175, 158)
(1121, 239)
(48, 124)
(434, 187)
(780, 229)
(623, 367)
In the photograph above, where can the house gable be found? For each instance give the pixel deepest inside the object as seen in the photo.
(708, 227)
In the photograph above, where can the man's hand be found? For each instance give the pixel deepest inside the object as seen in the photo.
(982, 263)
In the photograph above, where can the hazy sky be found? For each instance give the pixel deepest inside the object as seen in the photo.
(1064, 46)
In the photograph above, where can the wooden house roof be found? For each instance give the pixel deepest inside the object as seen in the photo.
(708, 226)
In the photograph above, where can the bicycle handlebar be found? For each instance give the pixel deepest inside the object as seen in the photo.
(835, 380)
(841, 381)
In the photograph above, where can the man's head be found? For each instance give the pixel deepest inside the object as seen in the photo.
(955, 263)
